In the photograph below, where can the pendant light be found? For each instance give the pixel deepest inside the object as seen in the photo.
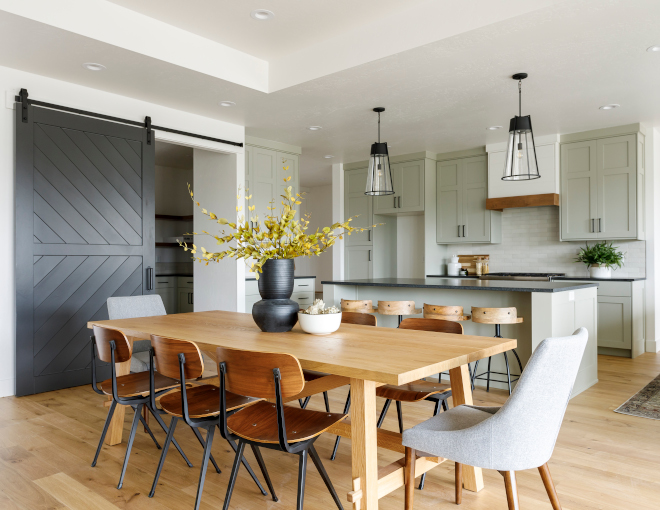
(521, 164)
(379, 177)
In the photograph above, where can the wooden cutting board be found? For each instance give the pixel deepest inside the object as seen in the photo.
(469, 262)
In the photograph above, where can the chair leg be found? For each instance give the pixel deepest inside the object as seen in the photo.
(488, 376)
(324, 475)
(383, 413)
(199, 437)
(409, 477)
(327, 402)
(444, 405)
(264, 471)
(459, 482)
(249, 469)
(435, 412)
(549, 486)
(205, 463)
(511, 489)
(347, 407)
(305, 402)
(300, 401)
(399, 415)
(166, 447)
(474, 373)
(160, 422)
(131, 438)
(105, 431)
(234, 473)
(147, 429)
(508, 372)
(302, 476)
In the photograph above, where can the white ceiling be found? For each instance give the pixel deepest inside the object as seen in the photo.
(439, 96)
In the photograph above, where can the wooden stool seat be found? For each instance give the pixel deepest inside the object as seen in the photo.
(260, 423)
(357, 305)
(203, 401)
(445, 313)
(131, 385)
(412, 392)
(397, 308)
(495, 315)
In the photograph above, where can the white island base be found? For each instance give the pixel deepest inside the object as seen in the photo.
(555, 311)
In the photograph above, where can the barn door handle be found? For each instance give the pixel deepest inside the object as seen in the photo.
(150, 278)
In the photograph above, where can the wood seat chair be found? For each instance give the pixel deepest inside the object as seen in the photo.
(399, 308)
(130, 390)
(417, 391)
(275, 426)
(497, 316)
(198, 406)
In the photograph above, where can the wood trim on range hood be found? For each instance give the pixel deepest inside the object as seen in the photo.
(499, 204)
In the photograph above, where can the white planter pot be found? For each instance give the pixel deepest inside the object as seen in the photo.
(323, 324)
(600, 272)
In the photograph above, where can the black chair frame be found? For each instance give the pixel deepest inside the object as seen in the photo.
(485, 376)
(302, 448)
(209, 425)
(136, 403)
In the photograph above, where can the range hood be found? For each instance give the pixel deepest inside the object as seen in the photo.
(499, 204)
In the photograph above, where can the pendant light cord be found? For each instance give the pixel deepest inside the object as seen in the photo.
(519, 98)
(378, 127)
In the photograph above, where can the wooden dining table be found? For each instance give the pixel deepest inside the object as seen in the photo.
(363, 356)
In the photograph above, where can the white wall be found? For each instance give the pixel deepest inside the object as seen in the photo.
(68, 94)
(338, 216)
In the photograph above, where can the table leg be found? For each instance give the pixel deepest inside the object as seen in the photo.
(363, 441)
(116, 428)
(462, 394)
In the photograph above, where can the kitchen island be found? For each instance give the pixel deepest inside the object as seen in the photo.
(548, 309)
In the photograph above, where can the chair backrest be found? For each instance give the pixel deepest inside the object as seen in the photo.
(364, 319)
(396, 307)
(437, 325)
(250, 373)
(495, 315)
(434, 310)
(129, 307)
(103, 338)
(527, 425)
(167, 350)
(357, 305)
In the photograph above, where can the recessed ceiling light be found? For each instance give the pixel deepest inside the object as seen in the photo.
(609, 106)
(328, 156)
(314, 128)
(262, 14)
(92, 66)
(494, 128)
(653, 48)
(227, 103)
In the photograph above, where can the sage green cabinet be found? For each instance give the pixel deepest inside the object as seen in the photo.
(408, 185)
(602, 189)
(462, 190)
(358, 262)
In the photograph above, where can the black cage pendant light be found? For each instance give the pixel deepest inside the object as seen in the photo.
(379, 178)
(521, 164)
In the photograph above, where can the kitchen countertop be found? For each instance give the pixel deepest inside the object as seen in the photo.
(295, 278)
(450, 276)
(466, 284)
(589, 278)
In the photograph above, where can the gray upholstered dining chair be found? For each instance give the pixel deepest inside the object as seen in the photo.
(151, 305)
(519, 435)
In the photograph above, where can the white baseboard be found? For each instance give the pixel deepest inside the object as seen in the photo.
(652, 346)
(7, 388)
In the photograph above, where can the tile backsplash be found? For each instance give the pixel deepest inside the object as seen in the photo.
(530, 243)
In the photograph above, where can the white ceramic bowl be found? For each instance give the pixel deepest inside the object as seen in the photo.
(322, 324)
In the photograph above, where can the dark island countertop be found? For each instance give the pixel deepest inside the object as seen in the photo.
(465, 284)
(590, 279)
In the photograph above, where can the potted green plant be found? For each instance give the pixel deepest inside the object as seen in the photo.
(600, 259)
(269, 248)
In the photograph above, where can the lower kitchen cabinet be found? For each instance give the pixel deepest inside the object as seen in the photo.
(186, 289)
(166, 289)
(358, 262)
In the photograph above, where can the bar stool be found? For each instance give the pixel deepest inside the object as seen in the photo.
(399, 308)
(357, 305)
(496, 316)
(446, 313)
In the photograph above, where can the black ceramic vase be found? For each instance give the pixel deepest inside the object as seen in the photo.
(276, 313)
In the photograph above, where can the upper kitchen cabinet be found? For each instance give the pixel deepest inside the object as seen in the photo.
(356, 203)
(602, 188)
(462, 190)
(408, 185)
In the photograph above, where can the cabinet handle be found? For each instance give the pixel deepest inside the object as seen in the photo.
(192, 298)
(599, 227)
(399, 202)
(368, 235)
(395, 202)
(459, 231)
(593, 228)
(369, 255)
(463, 230)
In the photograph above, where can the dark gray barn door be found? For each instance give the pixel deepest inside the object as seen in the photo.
(84, 232)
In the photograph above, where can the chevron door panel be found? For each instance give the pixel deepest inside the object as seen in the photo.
(85, 232)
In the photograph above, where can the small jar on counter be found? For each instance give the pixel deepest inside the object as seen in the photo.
(479, 266)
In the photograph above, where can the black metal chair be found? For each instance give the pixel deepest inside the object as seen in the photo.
(198, 406)
(274, 426)
(130, 390)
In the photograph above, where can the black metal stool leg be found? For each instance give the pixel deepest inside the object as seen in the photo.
(105, 431)
(131, 438)
(508, 373)
(474, 373)
(326, 479)
(518, 358)
(234, 474)
(166, 447)
(198, 434)
(488, 376)
(327, 402)
(249, 469)
(347, 406)
(264, 471)
(399, 415)
(383, 413)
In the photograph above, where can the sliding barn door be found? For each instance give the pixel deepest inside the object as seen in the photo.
(84, 232)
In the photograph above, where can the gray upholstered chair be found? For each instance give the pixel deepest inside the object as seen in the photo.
(519, 435)
(130, 307)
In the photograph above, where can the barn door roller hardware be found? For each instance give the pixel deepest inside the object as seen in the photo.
(22, 98)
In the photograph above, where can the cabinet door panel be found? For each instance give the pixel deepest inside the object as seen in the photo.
(359, 206)
(475, 192)
(355, 182)
(358, 262)
(615, 322)
(579, 207)
(186, 301)
(263, 181)
(389, 203)
(449, 208)
(412, 186)
(617, 188)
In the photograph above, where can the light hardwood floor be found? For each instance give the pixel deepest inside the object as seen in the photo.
(603, 460)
